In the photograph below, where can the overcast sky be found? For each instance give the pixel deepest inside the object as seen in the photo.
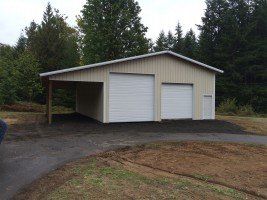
(157, 15)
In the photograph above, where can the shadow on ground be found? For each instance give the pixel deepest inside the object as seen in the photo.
(76, 124)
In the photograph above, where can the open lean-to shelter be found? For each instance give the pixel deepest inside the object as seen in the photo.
(150, 87)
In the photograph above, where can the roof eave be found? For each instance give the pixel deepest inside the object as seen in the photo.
(195, 62)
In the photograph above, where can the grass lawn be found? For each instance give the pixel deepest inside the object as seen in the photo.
(256, 125)
(170, 170)
(28, 113)
(16, 118)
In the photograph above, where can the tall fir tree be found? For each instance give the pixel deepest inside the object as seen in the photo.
(231, 40)
(31, 37)
(252, 62)
(53, 42)
(178, 44)
(170, 41)
(190, 45)
(211, 29)
(161, 43)
(21, 45)
(111, 30)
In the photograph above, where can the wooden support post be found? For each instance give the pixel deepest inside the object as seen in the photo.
(49, 102)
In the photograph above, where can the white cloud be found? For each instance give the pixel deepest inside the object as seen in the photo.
(157, 15)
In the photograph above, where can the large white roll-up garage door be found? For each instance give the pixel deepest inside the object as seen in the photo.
(176, 101)
(131, 98)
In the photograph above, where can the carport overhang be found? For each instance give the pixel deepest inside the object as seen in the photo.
(95, 90)
(49, 85)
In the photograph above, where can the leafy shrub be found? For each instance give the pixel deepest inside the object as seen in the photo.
(246, 110)
(228, 106)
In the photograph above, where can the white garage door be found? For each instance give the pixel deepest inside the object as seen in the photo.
(176, 101)
(207, 107)
(131, 98)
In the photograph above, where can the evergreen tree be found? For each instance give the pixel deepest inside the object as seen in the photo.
(253, 61)
(31, 37)
(112, 30)
(161, 43)
(170, 41)
(53, 42)
(178, 44)
(150, 46)
(190, 45)
(211, 30)
(233, 39)
(21, 45)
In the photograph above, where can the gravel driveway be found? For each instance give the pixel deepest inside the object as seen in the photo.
(33, 151)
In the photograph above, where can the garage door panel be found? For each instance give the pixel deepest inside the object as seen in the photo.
(131, 98)
(176, 101)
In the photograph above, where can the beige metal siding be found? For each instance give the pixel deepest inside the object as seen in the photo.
(167, 69)
(89, 100)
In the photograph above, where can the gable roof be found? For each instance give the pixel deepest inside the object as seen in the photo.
(129, 59)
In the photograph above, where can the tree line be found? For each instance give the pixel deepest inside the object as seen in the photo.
(233, 37)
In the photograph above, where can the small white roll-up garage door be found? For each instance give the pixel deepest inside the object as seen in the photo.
(207, 107)
(131, 97)
(176, 101)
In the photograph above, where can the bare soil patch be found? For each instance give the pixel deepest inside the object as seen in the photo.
(240, 166)
(172, 170)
